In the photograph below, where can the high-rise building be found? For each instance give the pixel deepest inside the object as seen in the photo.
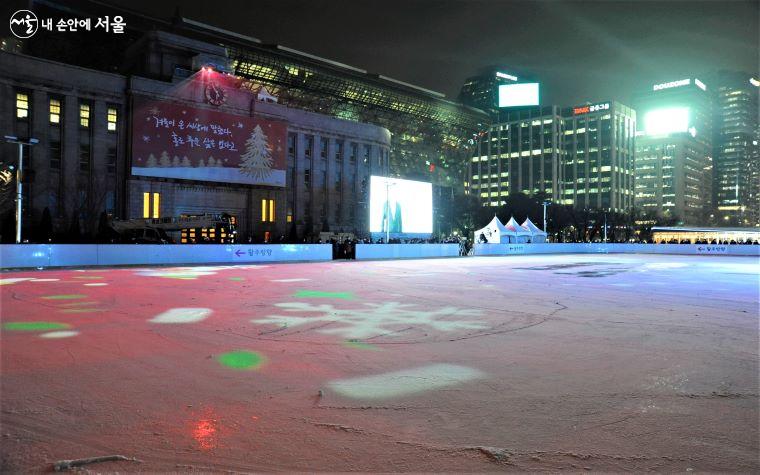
(581, 156)
(598, 156)
(674, 150)
(737, 155)
(520, 154)
(482, 91)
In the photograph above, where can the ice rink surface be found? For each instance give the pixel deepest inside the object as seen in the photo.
(552, 362)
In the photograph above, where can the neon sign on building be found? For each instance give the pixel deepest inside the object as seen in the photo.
(593, 108)
(668, 85)
(506, 76)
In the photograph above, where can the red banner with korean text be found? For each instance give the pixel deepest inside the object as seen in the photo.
(174, 140)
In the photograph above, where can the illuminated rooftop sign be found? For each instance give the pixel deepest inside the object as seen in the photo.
(518, 95)
(668, 85)
(667, 121)
(592, 108)
(506, 76)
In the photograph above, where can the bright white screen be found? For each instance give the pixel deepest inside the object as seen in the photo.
(409, 209)
(513, 95)
(666, 121)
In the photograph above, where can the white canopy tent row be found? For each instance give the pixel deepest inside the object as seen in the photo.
(497, 233)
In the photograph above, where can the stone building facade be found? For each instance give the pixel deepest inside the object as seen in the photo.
(82, 165)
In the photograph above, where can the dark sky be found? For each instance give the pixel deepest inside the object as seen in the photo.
(579, 50)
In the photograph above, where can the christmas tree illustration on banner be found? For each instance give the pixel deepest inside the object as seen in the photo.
(165, 161)
(257, 159)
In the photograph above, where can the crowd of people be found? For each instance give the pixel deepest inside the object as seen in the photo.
(711, 241)
(346, 248)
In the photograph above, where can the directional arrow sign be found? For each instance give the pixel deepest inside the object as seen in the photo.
(239, 253)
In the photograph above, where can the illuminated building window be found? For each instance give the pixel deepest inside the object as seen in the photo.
(267, 211)
(84, 115)
(151, 205)
(112, 117)
(22, 105)
(156, 203)
(146, 205)
(55, 111)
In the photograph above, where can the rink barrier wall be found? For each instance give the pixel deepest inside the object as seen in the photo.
(615, 248)
(14, 256)
(405, 251)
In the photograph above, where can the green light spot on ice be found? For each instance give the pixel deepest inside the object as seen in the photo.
(323, 295)
(34, 326)
(241, 359)
(360, 345)
(65, 297)
(237, 278)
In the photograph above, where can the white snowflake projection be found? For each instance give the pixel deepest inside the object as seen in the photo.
(145, 138)
(374, 319)
(154, 110)
(257, 159)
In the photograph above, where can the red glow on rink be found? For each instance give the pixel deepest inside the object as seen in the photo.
(205, 433)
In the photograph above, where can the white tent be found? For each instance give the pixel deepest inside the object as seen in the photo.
(494, 233)
(536, 234)
(520, 234)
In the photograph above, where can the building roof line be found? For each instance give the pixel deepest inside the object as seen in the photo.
(428, 91)
(319, 58)
(216, 29)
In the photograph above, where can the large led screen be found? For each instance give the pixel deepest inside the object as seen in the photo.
(516, 95)
(400, 206)
(173, 140)
(666, 121)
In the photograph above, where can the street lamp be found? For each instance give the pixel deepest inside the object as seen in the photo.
(19, 178)
(545, 204)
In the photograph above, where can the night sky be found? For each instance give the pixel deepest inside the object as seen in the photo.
(580, 51)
